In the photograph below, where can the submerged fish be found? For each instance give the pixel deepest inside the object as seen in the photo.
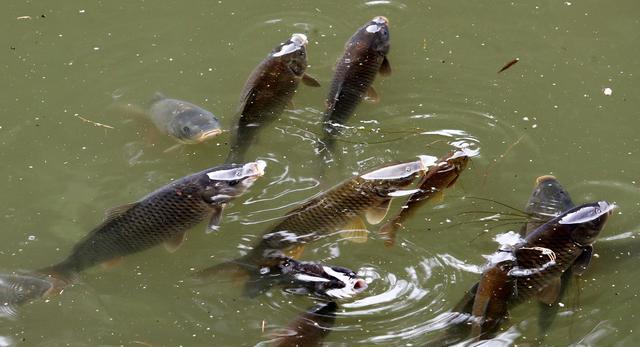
(163, 216)
(442, 175)
(365, 55)
(268, 90)
(183, 120)
(523, 268)
(339, 209)
(310, 328)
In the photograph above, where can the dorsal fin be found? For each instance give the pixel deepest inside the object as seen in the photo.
(117, 211)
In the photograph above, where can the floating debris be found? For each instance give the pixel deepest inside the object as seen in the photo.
(509, 64)
(607, 91)
(92, 122)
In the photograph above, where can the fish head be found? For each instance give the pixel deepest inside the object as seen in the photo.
(328, 281)
(376, 33)
(389, 179)
(293, 53)
(454, 164)
(193, 125)
(548, 199)
(586, 221)
(225, 182)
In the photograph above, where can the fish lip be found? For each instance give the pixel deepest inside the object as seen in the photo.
(208, 134)
(299, 39)
(296, 42)
(545, 178)
(381, 20)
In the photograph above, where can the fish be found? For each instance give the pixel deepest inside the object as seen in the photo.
(522, 268)
(268, 90)
(549, 199)
(365, 55)
(163, 216)
(440, 176)
(340, 209)
(304, 277)
(310, 328)
(187, 122)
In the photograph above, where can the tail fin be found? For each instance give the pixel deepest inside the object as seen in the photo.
(19, 289)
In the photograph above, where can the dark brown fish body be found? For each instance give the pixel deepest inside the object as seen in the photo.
(310, 328)
(270, 87)
(490, 304)
(556, 246)
(364, 56)
(442, 175)
(161, 217)
(524, 271)
(548, 200)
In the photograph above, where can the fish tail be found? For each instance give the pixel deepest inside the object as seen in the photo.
(17, 289)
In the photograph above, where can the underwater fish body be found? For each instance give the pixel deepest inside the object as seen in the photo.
(187, 122)
(310, 328)
(269, 89)
(364, 57)
(163, 216)
(440, 176)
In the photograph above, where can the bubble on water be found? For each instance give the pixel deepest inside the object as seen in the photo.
(607, 91)
(31, 237)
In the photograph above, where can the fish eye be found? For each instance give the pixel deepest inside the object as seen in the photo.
(186, 130)
(233, 182)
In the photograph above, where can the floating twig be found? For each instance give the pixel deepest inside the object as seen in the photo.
(92, 122)
(509, 64)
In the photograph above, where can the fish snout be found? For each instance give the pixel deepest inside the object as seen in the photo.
(381, 20)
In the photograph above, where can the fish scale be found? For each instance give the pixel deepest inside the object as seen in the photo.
(329, 212)
(154, 220)
(566, 252)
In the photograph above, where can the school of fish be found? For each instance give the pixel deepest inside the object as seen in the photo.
(554, 246)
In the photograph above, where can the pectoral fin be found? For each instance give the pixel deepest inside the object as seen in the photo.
(117, 211)
(173, 148)
(551, 293)
(295, 252)
(581, 264)
(216, 217)
(356, 231)
(174, 243)
(291, 105)
(385, 68)
(310, 81)
(111, 263)
(376, 214)
(371, 95)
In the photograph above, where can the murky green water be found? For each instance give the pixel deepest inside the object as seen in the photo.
(548, 114)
